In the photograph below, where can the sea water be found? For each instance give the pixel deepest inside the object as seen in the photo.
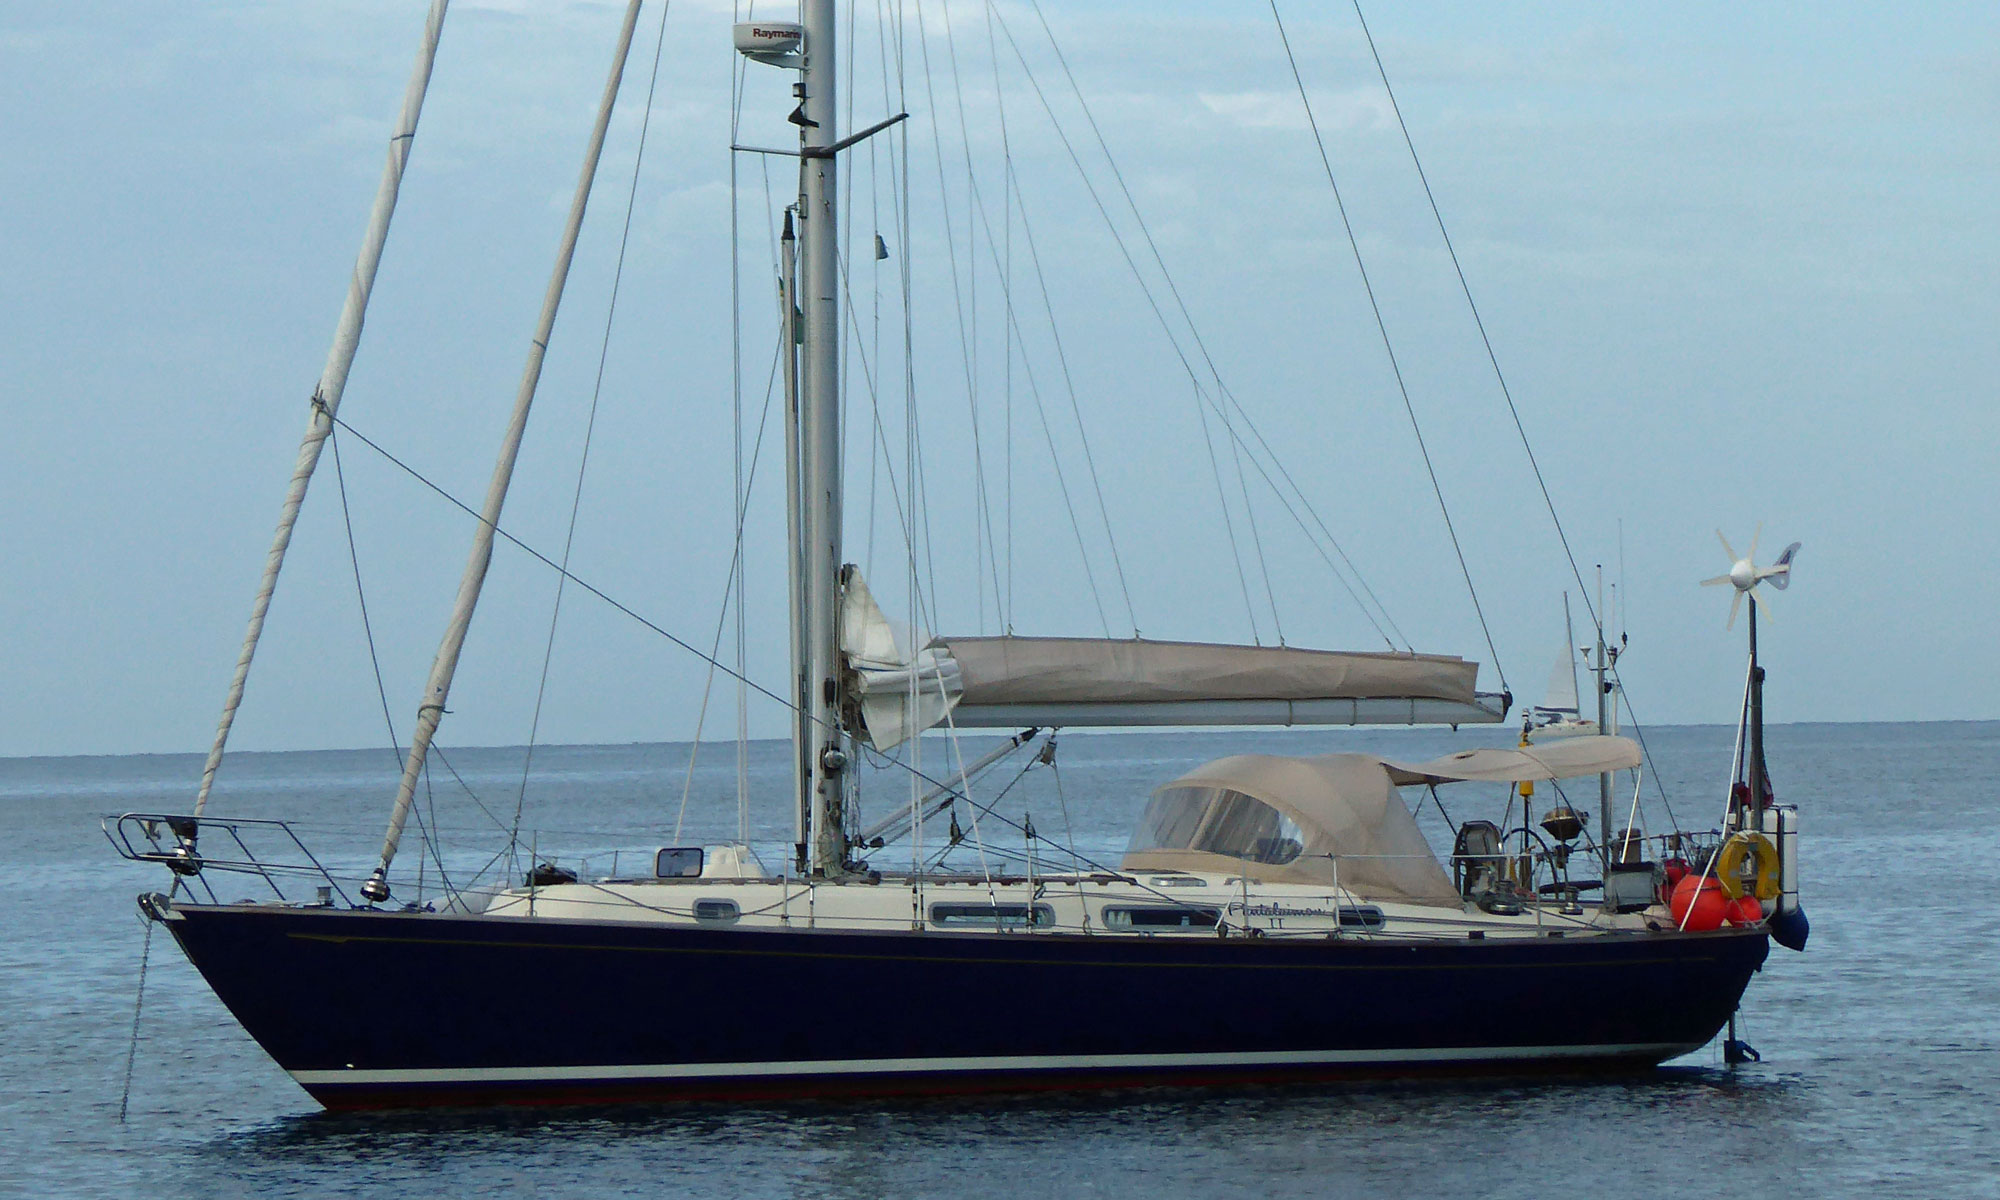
(1881, 1044)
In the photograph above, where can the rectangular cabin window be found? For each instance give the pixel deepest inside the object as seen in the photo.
(1160, 917)
(677, 862)
(716, 912)
(1361, 916)
(991, 916)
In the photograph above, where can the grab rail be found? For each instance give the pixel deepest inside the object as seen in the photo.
(173, 839)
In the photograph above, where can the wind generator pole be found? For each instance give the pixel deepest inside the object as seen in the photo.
(332, 381)
(1754, 819)
(819, 421)
(1603, 724)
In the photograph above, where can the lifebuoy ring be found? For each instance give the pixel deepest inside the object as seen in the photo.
(1752, 849)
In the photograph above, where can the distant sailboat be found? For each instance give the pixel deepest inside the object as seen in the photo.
(1559, 715)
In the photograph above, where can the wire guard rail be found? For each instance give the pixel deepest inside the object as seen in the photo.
(173, 839)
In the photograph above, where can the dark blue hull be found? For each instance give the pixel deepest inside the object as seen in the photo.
(376, 1009)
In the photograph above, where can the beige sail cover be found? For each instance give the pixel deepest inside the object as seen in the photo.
(1041, 670)
(1356, 832)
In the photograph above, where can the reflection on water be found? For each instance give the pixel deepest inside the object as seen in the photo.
(1483, 1138)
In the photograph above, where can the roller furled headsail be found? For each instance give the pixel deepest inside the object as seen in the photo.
(332, 379)
(438, 688)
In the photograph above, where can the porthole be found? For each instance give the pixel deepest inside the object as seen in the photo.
(716, 912)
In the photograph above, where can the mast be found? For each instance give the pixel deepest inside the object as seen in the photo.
(1569, 653)
(794, 541)
(438, 688)
(332, 380)
(819, 437)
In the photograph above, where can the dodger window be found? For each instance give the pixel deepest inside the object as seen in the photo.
(1217, 821)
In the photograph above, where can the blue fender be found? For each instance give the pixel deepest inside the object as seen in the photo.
(1790, 928)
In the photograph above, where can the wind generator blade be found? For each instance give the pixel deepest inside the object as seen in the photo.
(1726, 547)
(1755, 535)
(1781, 571)
(1716, 580)
(1735, 602)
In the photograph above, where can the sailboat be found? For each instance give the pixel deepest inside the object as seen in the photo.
(1558, 715)
(1273, 917)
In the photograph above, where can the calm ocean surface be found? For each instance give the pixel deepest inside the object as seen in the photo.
(1881, 1044)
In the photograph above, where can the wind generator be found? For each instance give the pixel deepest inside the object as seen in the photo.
(1744, 574)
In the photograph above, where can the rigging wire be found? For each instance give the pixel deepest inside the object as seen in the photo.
(740, 496)
(1007, 195)
(1228, 523)
(722, 616)
(1513, 410)
(1388, 348)
(968, 328)
(1194, 331)
(733, 585)
(1011, 202)
(361, 598)
(1075, 406)
(427, 835)
(1639, 732)
(1470, 304)
(589, 429)
(1062, 484)
(1256, 538)
(1173, 338)
(551, 563)
(972, 282)
(881, 250)
(876, 245)
(1069, 505)
(374, 660)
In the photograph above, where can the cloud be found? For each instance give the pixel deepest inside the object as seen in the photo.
(1355, 110)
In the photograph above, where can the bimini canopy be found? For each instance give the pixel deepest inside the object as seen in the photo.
(907, 684)
(1334, 820)
(1565, 759)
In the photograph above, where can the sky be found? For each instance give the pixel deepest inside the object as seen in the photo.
(1737, 264)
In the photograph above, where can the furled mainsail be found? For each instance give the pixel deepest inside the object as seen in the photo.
(907, 684)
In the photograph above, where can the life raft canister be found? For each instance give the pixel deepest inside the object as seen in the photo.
(1752, 850)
